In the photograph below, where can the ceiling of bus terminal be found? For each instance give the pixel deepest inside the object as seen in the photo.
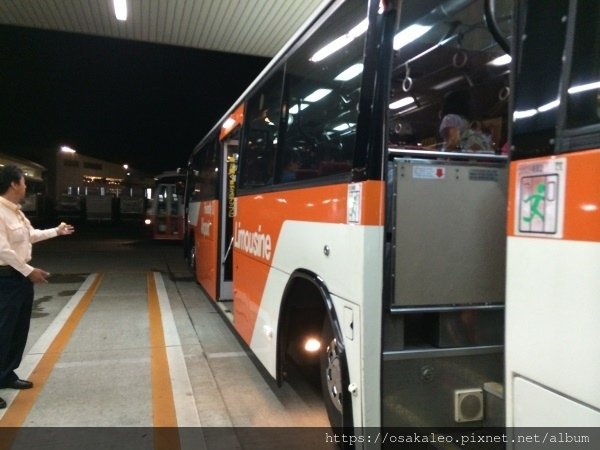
(251, 27)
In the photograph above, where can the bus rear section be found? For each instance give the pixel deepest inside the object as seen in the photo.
(553, 287)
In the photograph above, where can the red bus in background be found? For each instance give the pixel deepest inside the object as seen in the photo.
(165, 213)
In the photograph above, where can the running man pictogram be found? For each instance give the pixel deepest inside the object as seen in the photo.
(535, 200)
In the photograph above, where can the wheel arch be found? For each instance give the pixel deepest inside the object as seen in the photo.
(306, 289)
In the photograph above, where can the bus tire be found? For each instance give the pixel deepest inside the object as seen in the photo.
(332, 367)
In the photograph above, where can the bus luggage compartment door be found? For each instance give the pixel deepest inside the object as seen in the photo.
(443, 333)
(450, 240)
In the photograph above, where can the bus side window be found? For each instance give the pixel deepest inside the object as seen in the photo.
(583, 104)
(204, 165)
(322, 92)
(263, 114)
(465, 80)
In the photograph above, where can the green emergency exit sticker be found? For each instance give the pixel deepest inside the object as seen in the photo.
(540, 198)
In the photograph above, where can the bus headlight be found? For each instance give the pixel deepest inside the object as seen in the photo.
(312, 345)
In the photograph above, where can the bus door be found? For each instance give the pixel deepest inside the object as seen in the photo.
(227, 213)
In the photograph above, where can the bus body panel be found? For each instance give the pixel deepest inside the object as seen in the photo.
(260, 223)
(537, 406)
(326, 248)
(361, 264)
(203, 224)
(553, 287)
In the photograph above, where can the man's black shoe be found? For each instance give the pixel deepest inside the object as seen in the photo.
(2, 403)
(17, 384)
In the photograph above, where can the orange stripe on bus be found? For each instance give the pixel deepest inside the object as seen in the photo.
(266, 213)
(582, 196)
(19, 410)
(237, 119)
(373, 209)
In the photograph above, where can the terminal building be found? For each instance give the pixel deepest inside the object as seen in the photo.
(68, 185)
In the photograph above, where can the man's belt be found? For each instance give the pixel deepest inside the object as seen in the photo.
(9, 271)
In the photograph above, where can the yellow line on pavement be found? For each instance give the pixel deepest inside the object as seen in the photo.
(164, 417)
(24, 401)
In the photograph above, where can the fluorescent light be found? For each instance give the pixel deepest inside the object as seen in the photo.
(350, 73)
(295, 110)
(501, 60)
(344, 126)
(402, 102)
(317, 95)
(532, 112)
(549, 106)
(524, 114)
(410, 34)
(584, 87)
(340, 42)
(120, 9)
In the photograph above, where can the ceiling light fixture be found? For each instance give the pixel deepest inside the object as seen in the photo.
(350, 73)
(340, 42)
(409, 34)
(120, 9)
(402, 102)
(317, 95)
(501, 60)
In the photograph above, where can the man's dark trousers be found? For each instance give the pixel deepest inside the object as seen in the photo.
(16, 302)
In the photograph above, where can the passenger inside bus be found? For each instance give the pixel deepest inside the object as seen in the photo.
(458, 136)
(290, 167)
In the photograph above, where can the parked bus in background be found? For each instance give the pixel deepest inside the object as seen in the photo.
(164, 215)
(328, 219)
(37, 205)
(553, 276)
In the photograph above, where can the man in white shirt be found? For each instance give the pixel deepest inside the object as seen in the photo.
(16, 275)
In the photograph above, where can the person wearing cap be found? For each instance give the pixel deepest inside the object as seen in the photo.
(458, 136)
(451, 129)
(16, 275)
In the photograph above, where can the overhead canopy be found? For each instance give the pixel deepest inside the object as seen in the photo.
(251, 27)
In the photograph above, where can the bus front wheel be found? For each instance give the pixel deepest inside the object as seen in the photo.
(332, 366)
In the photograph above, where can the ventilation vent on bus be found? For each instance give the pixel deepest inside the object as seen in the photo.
(468, 405)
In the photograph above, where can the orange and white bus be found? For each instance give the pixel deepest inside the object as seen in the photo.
(553, 276)
(165, 212)
(331, 220)
(321, 216)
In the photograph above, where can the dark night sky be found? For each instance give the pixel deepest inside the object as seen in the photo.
(143, 104)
